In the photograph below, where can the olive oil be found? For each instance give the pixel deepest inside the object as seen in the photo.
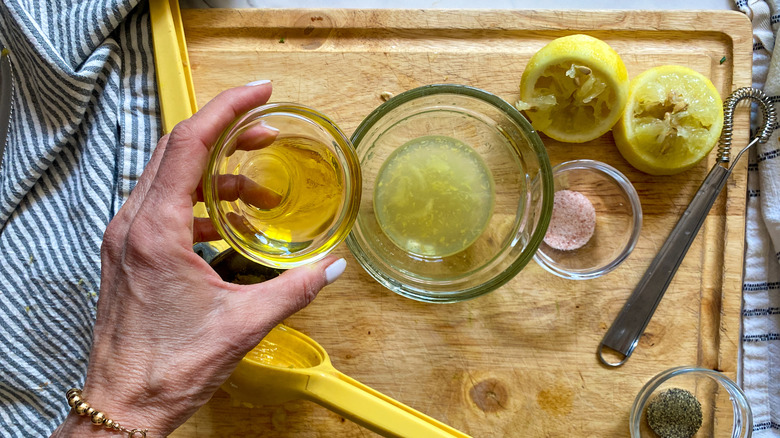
(307, 179)
(434, 196)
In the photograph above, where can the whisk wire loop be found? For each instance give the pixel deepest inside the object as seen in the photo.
(767, 108)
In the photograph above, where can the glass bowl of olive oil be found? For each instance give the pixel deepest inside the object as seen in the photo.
(283, 185)
(449, 208)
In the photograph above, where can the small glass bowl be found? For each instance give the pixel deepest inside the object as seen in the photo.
(513, 155)
(284, 196)
(618, 221)
(725, 409)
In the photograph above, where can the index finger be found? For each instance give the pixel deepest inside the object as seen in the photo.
(191, 140)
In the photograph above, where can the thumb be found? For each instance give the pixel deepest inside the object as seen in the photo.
(272, 301)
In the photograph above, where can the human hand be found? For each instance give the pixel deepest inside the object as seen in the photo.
(169, 331)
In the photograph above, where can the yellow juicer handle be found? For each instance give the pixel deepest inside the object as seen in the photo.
(375, 411)
(175, 88)
(174, 78)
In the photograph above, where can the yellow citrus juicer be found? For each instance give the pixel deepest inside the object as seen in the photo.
(288, 365)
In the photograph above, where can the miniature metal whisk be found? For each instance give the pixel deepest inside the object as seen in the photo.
(769, 117)
(623, 335)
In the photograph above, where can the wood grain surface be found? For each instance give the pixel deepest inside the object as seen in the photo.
(521, 361)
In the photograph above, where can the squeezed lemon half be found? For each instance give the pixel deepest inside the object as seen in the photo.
(672, 120)
(574, 89)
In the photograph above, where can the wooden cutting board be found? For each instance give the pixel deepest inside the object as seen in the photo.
(520, 361)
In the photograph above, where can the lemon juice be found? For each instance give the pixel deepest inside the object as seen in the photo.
(434, 196)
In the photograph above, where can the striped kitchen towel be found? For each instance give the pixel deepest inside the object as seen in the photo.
(761, 287)
(83, 122)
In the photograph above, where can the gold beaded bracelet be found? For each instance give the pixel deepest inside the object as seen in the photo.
(99, 418)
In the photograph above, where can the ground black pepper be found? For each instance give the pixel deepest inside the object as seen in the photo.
(674, 413)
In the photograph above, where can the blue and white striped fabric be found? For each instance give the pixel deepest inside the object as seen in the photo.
(83, 124)
(761, 287)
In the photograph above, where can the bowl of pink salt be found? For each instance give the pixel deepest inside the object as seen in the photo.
(595, 221)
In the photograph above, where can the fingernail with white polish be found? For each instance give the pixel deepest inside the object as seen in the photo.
(260, 82)
(335, 270)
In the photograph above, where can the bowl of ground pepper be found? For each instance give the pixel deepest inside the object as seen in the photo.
(686, 402)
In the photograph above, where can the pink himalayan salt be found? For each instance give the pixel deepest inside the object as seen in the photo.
(573, 221)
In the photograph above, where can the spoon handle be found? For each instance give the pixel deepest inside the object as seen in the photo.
(372, 409)
(625, 331)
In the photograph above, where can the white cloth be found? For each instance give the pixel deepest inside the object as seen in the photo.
(84, 122)
(761, 287)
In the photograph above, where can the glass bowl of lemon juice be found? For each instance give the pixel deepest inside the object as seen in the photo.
(449, 210)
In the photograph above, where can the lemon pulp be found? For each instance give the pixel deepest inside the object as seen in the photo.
(673, 119)
(434, 196)
(574, 88)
